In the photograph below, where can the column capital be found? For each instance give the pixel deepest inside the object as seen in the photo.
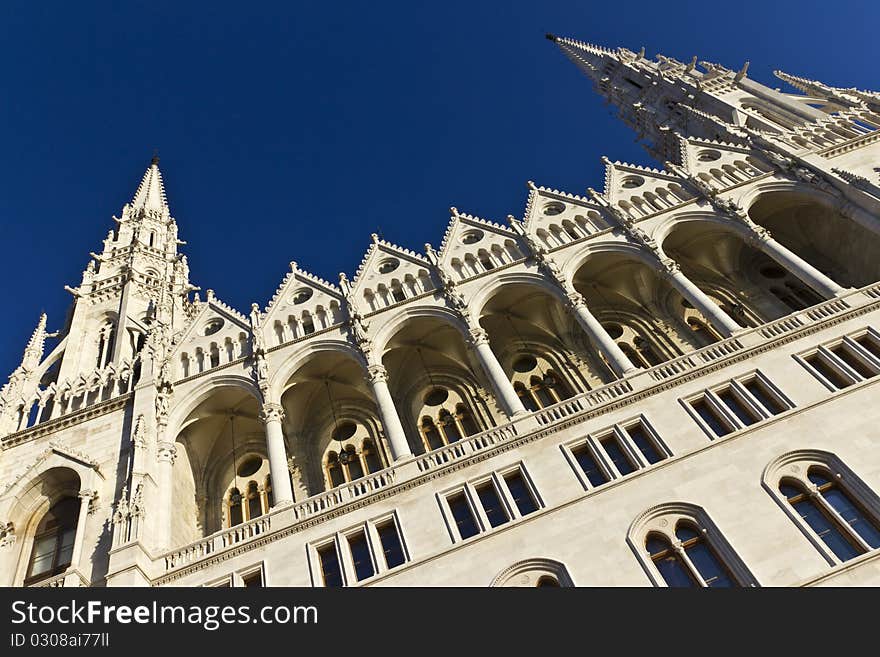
(669, 266)
(478, 336)
(166, 452)
(90, 498)
(271, 412)
(376, 373)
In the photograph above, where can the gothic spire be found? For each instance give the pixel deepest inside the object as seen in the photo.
(33, 353)
(150, 194)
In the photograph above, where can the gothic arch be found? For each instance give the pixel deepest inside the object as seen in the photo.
(178, 418)
(282, 373)
(529, 572)
(398, 322)
(498, 283)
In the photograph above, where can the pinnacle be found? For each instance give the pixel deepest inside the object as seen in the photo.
(150, 194)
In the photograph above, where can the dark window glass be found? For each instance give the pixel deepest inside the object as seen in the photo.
(492, 505)
(391, 545)
(850, 359)
(704, 558)
(833, 376)
(735, 405)
(464, 518)
(673, 571)
(525, 397)
(644, 443)
(355, 469)
(589, 466)
(371, 456)
(853, 515)
(710, 417)
(546, 580)
(254, 579)
(520, 492)
(330, 565)
(617, 455)
(432, 436)
(360, 555)
(235, 512)
(868, 343)
(759, 392)
(820, 523)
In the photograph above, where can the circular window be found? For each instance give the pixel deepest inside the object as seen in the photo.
(301, 296)
(708, 156)
(631, 182)
(213, 326)
(554, 208)
(250, 466)
(436, 396)
(344, 431)
(772, 271)
(388, 265)
(525, 364)
(472, 236)
(614, 330)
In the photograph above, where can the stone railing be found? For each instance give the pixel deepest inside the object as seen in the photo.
(581, 404)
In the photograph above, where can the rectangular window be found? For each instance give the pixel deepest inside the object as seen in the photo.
(869, 343)
(463, 516)
(492, 504)
(391, 545)
(830, 373)
(617, 454)
(764, 396)
(254, 579)
(646, 445)
(330, 569)
(711, 417)
(522, 496)
(360, 556)
(743, 414)
(856, 362)
(588, 466)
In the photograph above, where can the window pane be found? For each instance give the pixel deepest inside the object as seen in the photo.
(855, 363)
(360, 555)
(617, 455)
(826, 530)
(707, 564)
(330, 565)
(868, 343)
(391, 545)
(43, 554)
(757, 390)
(254, 580)
(646, 445)
(461, 512)
(735, 405)
(520, 492)
(492, 505)
(589, 466)
(708, 415)
(834, 377)
(854, 516)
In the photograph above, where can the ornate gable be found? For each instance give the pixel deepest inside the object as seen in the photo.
(473, 245)
(389, 274)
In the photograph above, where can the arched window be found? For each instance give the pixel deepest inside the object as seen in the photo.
(466, 420)
(254, 501)
(334, 470)
(679, 546)
(525, 396)
(838, 512)
(354, 469)
(448, 427)
(236, 515)
(371, 456)
(430, 435)
(700, 328)
(53, 541)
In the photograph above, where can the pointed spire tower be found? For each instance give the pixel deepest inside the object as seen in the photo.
(666, 99)
(136, 281)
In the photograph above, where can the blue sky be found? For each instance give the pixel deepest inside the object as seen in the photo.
(292, 131)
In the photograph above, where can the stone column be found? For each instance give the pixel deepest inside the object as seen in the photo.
(799, 267)
(166, 452)
(502, 386)
(719, 319)
(377, 377)
(272, 414)
(606, 345)
(86, 498)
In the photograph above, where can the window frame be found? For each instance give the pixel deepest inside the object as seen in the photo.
(340, 541)
(619, 430)
(711, 396)
(795, 467)
(496, 479)
(838, 364)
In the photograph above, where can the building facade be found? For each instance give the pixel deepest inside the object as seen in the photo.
(665, 383)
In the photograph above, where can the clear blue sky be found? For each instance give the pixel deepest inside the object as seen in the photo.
(293, 131)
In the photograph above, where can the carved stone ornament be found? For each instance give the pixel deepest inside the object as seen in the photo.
(7, 534)
(272, 413)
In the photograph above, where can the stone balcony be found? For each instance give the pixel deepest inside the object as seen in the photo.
(286, 520)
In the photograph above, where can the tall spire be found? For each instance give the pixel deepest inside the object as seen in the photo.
(150, 194)
(33, 353)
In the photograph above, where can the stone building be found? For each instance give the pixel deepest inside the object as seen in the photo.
(667, 382)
